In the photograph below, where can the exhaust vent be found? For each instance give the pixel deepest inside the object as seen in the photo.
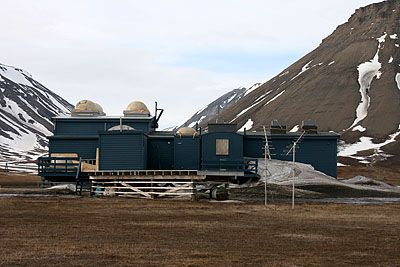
(309, 126)
(277, 127)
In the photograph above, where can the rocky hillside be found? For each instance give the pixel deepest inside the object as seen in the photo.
(212, 110)
(349, 84)
(26, 107)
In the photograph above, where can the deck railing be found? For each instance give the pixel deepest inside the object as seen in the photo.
(58, 166)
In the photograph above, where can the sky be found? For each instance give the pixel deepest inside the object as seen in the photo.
(182, 53)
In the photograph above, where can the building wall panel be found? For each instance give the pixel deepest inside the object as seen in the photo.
(186, 153)
(210, 159)
(84, 147)
(160, 154)
(122, 151)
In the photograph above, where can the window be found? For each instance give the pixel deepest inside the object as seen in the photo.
(222, 147)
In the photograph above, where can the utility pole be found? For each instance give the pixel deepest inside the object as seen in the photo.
(293, 149)
(266, 154)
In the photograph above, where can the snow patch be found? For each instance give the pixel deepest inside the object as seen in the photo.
(390, 60)
(303, 69)
(330, 63)
(198, 112)
(365, 143)
(382, 38)
(393, 36)
(281, 173)
(14, 75)
(252, 88)
(247, 125)
(283, 74)
(68, 187)
(367, 71)
(231, 98)
(294, 129)
(274, 98)
(255, 103)
(397, 78)
(359, 128)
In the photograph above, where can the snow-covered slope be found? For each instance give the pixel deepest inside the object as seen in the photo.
(212, 110)
(26, 107)
(349, 84)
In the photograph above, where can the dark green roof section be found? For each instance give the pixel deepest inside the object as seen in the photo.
(292, 135)
(72, 137)
(101, 118)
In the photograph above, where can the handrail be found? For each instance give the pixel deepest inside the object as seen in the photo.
(57, 165)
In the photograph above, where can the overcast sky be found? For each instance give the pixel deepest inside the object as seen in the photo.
(182, 53)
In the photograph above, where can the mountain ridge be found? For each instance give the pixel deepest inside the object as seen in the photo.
(27, 107)
(348, 84)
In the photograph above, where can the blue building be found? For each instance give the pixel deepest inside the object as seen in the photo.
(130, 142)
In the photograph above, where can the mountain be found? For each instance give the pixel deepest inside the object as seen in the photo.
(212, 110)
(349, 84)
(26, 107)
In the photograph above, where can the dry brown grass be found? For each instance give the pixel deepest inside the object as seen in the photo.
(387, 175)
(15, 179)
(88, 231)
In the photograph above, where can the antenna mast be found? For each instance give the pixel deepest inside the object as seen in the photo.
(293, 148)
(267, 154)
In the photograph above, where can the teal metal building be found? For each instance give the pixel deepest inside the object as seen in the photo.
(131, 142)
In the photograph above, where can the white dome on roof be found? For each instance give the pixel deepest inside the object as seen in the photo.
(186, 131)
(122, 127)
(137, 108)
(87, 107)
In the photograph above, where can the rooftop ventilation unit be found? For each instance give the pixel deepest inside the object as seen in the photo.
(277, 127)
(309, 126)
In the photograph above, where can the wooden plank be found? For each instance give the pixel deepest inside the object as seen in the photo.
(154, 193)
(151, 177)
(170, 189)
(189, 186)
(135, 189)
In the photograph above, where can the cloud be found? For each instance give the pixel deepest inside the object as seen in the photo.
(183, 53)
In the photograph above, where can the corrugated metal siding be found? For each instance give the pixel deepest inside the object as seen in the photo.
(85, 148)
(253, 147)
(79, 128)
(321, 153)
(208, 149)
(122, 151)
(94, 126)
(187, 153)
(160, 153)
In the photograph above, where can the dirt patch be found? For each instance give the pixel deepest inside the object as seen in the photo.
(387, 175)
